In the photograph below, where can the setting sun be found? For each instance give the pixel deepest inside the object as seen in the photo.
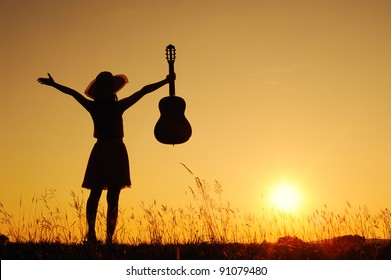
(285, 197)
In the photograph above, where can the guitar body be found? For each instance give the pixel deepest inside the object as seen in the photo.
(172, 126)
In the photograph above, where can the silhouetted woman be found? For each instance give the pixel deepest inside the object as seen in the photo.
(108, 165)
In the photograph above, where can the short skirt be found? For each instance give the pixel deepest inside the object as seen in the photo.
(108, 166)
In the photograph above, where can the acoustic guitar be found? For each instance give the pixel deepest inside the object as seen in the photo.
(172, 126)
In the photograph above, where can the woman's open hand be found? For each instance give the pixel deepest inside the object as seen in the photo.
(46, 81)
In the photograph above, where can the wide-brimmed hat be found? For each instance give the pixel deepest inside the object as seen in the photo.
(106, 79)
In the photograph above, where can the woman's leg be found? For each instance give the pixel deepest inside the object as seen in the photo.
(92, 209)
(112, 211)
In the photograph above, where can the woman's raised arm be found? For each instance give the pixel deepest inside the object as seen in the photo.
(80, 98)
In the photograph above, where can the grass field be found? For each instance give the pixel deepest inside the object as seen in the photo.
(287, 248)
(207, 228)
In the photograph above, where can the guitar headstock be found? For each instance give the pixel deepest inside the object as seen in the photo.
(170, 53)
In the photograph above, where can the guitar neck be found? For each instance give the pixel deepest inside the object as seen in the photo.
(171, 72)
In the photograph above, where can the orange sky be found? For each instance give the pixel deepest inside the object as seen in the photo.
(276, 91)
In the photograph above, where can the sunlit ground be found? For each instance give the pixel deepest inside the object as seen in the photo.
(206, 218)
